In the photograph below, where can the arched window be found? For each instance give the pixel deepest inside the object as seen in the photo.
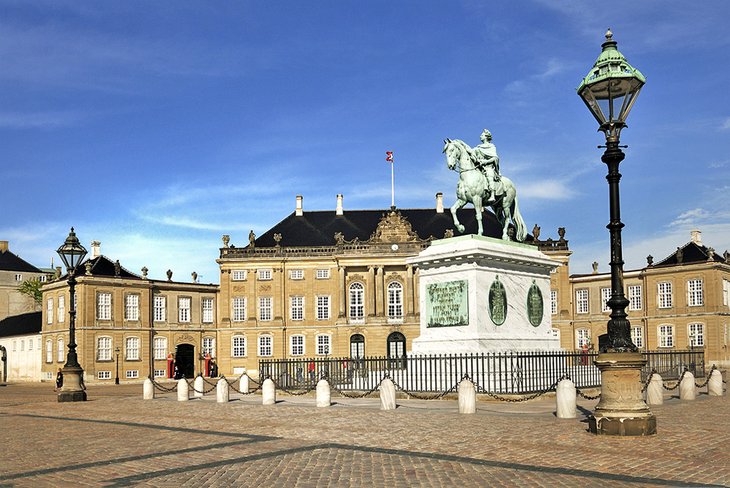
(357, 346)
(395, 301)
(357, 302)
(397, 350)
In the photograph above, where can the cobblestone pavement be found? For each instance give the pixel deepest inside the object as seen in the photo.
(118, 439)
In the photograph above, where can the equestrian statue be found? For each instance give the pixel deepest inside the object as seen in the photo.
(481, 183)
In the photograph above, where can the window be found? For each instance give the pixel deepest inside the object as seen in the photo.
(160, 373)
(159, 308)
(104, 375)
(238, 275)
(694, 293)
(18, 277)
(297, 345)
(582, 338)
(664, 290)
(635, 297)
(43, 278)
(696, 335)
(357, 346)
(49, 311)
(324, 345)
(132, 348)
(239, 309)
(666, 336)
(297, 308)
(266, 345)
(183, 309)
(581, 301)
(49, 351)
(160, 348)
(556, 334)
(637, 337)
(60, 355)
(209, 346)
(206, 304)
(605, 296)
(553, 302)
(104, 306)
(131, 307)
(323, 307)
(104, 349)
(396, 350)
(22, 345)
(239, 347)
(395, 301)
(323, 274)
(265, 308)
(264, 274)
(726, 292)
(357, 302)
(15, 346)
(131, 374)
(296, 274)
(61, 308)
(30, 344)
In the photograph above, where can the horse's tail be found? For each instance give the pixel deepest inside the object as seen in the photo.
(519, 223)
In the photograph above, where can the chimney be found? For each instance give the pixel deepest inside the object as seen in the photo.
(696, 237)
(339, 210)
(439, 202)
(95, 249)
(299, 209)
(3, 246)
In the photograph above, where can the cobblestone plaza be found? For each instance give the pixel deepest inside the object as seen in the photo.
(118, 439)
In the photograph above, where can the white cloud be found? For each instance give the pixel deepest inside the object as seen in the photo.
(726, 124)
(546, 190)
(38, 120)
(691, 217)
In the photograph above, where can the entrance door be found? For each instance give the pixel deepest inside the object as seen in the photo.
(185, 359)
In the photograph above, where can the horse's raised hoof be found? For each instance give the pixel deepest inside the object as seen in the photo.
(460, 228)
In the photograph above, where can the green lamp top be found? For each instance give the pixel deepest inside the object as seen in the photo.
(611, 64)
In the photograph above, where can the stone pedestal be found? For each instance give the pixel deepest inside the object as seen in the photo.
(480, 295)
(621, 410)
(72, 391)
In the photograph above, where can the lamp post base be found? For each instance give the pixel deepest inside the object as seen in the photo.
(621, 410)
(72, 389)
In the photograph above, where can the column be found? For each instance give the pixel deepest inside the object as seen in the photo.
(370, 293)
(409, 291)
(379, 292)
(343, 292)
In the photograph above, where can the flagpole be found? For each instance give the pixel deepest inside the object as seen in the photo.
(392, 183)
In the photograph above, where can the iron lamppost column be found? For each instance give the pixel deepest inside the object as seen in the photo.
(609, 91)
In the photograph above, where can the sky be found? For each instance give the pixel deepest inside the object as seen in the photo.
(157, 127)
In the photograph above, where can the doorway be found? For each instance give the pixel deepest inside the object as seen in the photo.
(185, 359)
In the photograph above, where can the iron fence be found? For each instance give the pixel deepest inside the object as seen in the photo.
(513, 372)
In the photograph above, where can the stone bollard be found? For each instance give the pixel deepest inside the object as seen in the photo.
(149, 390)
(199, 387)
(467, 397)
(565, 400)
(687, 387)
(243, 384)
(221, 391)
(268, 392)
(714, 386)
(387, 395)
(324, 395)
(182, 390)
(654, 392)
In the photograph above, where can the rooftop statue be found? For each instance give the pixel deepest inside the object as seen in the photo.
(481, 184)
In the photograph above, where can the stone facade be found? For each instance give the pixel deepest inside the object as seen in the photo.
(13, 272)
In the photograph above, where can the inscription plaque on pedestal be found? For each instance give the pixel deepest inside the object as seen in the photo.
(447, 304)
(534, 305)
(497, 302)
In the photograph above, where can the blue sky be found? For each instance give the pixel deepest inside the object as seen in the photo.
(156, 127)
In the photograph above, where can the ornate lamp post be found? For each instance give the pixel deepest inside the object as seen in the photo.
(116, 378)
(72, 253)
(609, 91)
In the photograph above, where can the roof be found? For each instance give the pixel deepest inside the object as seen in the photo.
(23, 324)
(11, 262)
(103, 266)
(318, 228)
(691, 253)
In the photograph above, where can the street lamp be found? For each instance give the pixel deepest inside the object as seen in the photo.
(72, 253)
(116, 378)
(609, 91)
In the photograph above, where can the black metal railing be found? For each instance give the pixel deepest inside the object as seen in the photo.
(513, 372)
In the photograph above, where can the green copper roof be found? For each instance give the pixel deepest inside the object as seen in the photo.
(611, 64)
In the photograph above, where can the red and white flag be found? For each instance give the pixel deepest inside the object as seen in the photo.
(389, 156)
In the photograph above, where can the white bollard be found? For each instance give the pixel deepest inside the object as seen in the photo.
(199, 387)
(467, 397)
(714, 386)
(387, 395)
(687, 387)
(324, 395)
(565, 400)
(268, 392)
(182, 390)
(654, 392)
(243, 384)
(149, 390)
(221, 391)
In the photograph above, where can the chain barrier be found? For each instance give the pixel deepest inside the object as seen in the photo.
(587, 397)
(523, 399)
(419, 396)
(192, 387)
(678, 382)
(345, 394)
(648, 380)
(161, 387)
(237, 381)
(707, 380)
